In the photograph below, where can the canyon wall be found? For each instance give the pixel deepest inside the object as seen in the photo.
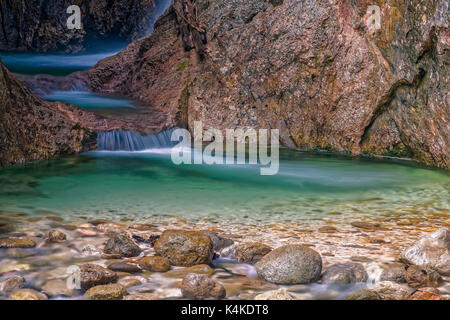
(321, 71)
(41, 25)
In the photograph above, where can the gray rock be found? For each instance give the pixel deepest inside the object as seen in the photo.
(121, 244)
(431, 251)
(93, 275)
(197, 286)
(291, 264)
(11, 284)
(395, 274)
(345, 273)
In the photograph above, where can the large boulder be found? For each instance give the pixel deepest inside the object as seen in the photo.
(291, 264)
(93, 275)
(345, 273)
(197, 286)
(251, 252)
(431, 251)
(121, 244)
(185, 248)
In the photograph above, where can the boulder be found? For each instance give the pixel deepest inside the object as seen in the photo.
(155, 264)
(185, 248)
(93, 275)
(197, 286)
(431, 251)
(345, 273)
(291, 264)
(121, 244)
(251, 252)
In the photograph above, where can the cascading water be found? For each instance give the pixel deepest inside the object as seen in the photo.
(134, 141)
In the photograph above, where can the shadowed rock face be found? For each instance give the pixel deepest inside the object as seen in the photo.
(31, 129)
(41, 25)
(317, 70)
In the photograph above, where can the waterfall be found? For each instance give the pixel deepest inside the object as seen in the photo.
(133, 141)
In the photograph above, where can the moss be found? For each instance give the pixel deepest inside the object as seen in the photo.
(182, 66)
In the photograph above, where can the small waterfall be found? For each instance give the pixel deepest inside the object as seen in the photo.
(133, 141)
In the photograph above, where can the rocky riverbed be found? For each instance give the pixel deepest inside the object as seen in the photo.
(47, 256)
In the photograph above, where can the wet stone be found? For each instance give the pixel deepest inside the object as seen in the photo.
(155, 264)
(6, 243)
(106, 292)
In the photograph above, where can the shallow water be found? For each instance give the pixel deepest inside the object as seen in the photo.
(89, 100)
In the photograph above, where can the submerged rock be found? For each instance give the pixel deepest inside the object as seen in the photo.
(291, 264)
(185, 248)
(121, 244)
(27, 294)
(17, 243)
(11, 284)
(251, 252)
(197, 286)
(155, 264)
(56, 236)
(345, 273)
(57, 288)
(92, 275)
(431, 251)
(107, 292)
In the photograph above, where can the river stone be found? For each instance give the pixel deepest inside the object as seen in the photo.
(219, 242)
(197, 286)
(129, 282)
(185, 248)
(431, 251)
(124, 267)
(27, 294)
(155, 264)
(251, 252)
(121, 244)
(11, 284)
(291, 264)
(56, 236)
(93, 275)
(364, 294)
(6, 243)
(203, 269)
(280, 294)
(389, 290)
(395, 274)
(107, 292)
(417, 277)
(345, 273)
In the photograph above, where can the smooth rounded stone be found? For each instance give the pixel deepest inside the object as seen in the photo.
(345, 273)
(280, 294)
(291, 264)
(185, 248)
(57, 287)
(251, 252)
(141, 296)
(93, 275)
(124, 267)
(431, 251)
(364, 294)
(107, 292)
(129, 282)
(417, 277)
(198, 269)
(219, 242)
(10, 284)
(56, 236)
(198, 286)
(389, 290)
(27, 294)
(155, 264)
(6, 243)
(121, 244)
(395, 274)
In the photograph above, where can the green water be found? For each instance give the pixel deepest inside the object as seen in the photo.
(133, 185)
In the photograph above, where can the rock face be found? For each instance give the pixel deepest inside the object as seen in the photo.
(432, 251)
(185, 248)
(31, 129)
(94, 275)
(41, 26)
(291, 264)
(345, 273)
(121, 244)
(319, 71)
(196, 286)
(251, 252)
